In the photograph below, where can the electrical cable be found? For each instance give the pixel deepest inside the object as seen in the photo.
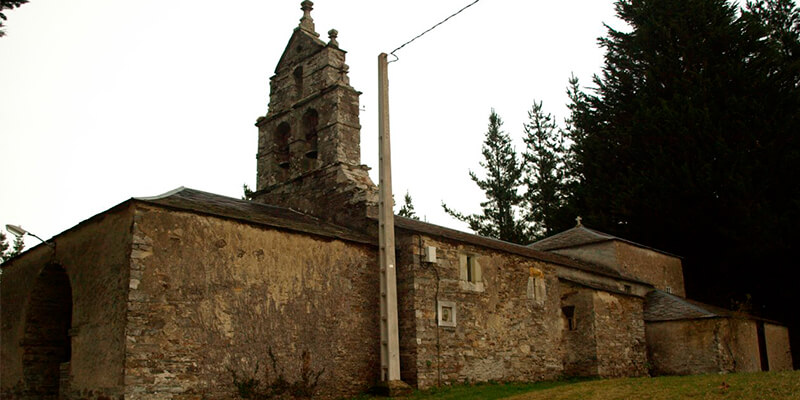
(430, 29)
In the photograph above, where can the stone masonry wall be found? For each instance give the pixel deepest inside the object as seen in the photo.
(502, 332)
(93, 257)
(579, 341)
(778, 351)
(684, 347)
(660, 270)
(619, 326)
(702, 346)
(407, 259)
(212, 300)
(739, 338)
(338, 193)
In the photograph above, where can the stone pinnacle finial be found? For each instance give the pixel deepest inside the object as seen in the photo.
(307, 23)
(332, 35)
(578, 220)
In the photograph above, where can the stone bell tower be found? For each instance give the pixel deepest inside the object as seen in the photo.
(309, 142)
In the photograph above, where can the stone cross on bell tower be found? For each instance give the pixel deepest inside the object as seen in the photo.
(309, 142)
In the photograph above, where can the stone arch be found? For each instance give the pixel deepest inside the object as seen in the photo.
(310, 126)
(46, 347)
(282, 135)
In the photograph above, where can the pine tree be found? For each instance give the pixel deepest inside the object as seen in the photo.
(9, 251)
(407, 209)
(544, 168)
(689, 142)
(3, 247)
(503, 178)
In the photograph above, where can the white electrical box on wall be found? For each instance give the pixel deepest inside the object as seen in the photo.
(430, 254)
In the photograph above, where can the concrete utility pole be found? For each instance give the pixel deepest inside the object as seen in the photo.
(390, 335)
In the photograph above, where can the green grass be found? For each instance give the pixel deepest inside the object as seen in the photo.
(479, 391)
(749, 386)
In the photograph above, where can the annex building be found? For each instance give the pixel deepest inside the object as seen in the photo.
(191, 295)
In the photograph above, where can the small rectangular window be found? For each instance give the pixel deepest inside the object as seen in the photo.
(470, 268)
(628, 288)
(668, 289)
(569, 318)
(537, 290)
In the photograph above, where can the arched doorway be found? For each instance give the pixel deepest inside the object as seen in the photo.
(46, 344)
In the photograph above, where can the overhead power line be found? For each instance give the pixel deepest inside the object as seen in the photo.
(430, 29)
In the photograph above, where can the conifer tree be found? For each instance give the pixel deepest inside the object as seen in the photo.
(8, 251)
(689, 142)
(407, 209)
(544, 168)
(503, 178)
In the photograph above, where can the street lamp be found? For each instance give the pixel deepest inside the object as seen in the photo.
(18, 231)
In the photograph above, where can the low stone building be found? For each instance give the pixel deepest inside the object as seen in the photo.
(192, 295)
(686, 337)
(683, 336)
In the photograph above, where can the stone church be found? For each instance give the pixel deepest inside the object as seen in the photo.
(192, 295)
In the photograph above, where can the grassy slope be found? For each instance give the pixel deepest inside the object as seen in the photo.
(762, 385)
(774, 385)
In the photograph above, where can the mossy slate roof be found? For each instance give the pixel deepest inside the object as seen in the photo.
(661, 306)
(580, 236)
(244, 210)
(281, 217)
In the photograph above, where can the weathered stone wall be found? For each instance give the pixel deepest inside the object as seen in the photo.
(778, 351)
(607, 338)
(660, 270)
(93, 256)
(579, 341)
(502, 332)
(407, 259)
(211, 298)
(739, 340)
(338, 193)
(619, 326)
(702, 346)
(684, 347)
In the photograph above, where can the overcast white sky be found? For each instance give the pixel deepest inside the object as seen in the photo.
(101, 101)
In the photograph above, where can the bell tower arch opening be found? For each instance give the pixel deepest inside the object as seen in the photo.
(310, 122)
(282, 136)
(46, 347)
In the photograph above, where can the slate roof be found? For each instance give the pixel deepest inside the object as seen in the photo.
(244, 210)
(213, 204)
(526, 251)
(281, 217)
(197, 201)
(662, 306)
(581, 235)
